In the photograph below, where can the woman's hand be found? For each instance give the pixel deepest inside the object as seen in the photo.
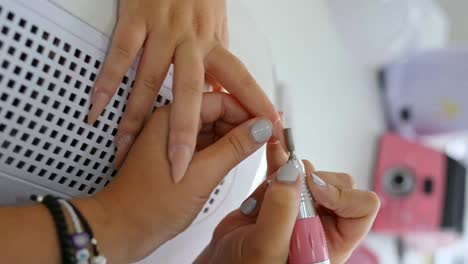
(144, 207)
(191, 34)
(260, 231)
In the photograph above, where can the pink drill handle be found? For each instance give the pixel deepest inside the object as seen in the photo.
(308, 242)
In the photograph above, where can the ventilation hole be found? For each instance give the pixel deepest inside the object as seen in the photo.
(82, 187)
(62, 180)
(52, 176)
(42, 172)
(91, 190)
(72, 184)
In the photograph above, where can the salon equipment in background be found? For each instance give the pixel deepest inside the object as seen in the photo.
(422, 192)
(379, 32)
(308, 241)
(426, 94)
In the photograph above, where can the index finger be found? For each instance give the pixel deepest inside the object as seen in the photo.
(235, 78)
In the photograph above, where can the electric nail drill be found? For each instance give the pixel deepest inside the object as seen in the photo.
(308, 242)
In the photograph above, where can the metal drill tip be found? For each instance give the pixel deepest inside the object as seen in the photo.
(289, 140)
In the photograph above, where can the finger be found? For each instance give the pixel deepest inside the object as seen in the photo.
(356, 209)
(188, 87)
(277, 216)
(218, 159)
(236, 79)
(215, 86)
(127, 40)
(251, 206)
(276, 157)
(152, 70)
(347, 203)
(339, 180)
(221, 106)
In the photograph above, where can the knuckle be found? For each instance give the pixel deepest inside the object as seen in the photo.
(283, 197)
(121, 52)
(239, 150)
(347, 179)
(192, 87)
(149, 83)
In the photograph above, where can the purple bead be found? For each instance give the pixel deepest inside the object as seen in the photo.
(80, 240)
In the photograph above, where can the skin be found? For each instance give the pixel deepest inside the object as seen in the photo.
(263, 236)
(192, 35)
(131, 217)
(136, 213)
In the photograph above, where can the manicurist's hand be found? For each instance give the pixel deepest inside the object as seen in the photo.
(191, 34)
(260, 231)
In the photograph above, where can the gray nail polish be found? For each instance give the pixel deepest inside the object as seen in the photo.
(288, 173)
(261, 130)
(248, 206)
(318, 181)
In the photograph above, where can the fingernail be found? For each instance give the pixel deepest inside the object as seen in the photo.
(288, 173)
(99, 101)
(122, 145)
(248, 206)
(261, 130)
(180, 157)
(124, 142)
(318, 181)
(268, 182)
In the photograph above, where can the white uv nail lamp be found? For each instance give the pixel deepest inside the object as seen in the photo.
(50, 54)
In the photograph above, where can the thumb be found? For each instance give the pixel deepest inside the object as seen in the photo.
(218, 159)
(275, 222)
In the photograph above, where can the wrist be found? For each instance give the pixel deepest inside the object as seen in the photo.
(108, 227)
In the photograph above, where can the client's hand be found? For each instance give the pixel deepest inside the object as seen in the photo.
(260, 231)
(144, 203)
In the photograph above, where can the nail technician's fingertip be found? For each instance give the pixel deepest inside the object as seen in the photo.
(288, 173)
(248, 206)
(261, 130)
(180, 157)
(318, 181)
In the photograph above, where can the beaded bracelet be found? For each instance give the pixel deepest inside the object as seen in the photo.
(80, 239)
(97, 257)
(58, 217)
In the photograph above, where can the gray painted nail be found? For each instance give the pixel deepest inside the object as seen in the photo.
(318, 181)
(288, 173)
(261, 130)
(248, 206)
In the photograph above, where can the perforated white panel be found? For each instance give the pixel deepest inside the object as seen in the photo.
(47, 71)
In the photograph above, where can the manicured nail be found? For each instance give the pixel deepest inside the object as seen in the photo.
(261, 130)
(99, 101)
(179, 156)
(122, 146)
(288, 173)
(268, 182)
(318, 181)
(248, 206)
(124, 142)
